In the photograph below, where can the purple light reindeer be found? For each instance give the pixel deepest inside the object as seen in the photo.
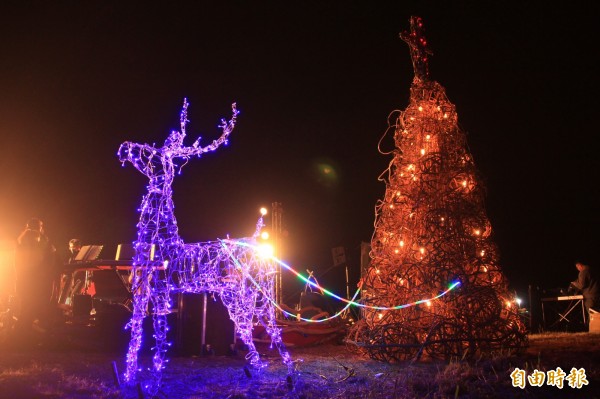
(164, 264)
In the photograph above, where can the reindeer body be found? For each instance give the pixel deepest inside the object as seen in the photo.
(230, 268)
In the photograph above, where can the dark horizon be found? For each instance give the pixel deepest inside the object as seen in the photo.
(314, 84)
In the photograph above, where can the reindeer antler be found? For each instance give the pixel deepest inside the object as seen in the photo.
(183, 116)
(140, 154)
(225, 126)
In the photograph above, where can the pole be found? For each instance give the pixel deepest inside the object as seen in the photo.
(347, 283)
(277, 211)
(180, 310)
(529, 292)
(203, 349)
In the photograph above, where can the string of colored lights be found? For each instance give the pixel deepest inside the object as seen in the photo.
(349, 302)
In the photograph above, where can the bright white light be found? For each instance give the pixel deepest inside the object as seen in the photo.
(265, 250)
(263, 211)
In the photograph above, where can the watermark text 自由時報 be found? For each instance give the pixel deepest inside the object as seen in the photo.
(557, 377)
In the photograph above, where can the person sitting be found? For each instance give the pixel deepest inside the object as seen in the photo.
(65, 279)
(74, 248)
(587, 284)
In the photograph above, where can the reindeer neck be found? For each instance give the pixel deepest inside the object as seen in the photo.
(157, 224)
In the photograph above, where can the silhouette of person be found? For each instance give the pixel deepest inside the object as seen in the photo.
(34, 270)
(587, 283)
(74, 248)
(64, 280)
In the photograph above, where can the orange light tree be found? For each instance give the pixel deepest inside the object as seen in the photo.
(431, 230)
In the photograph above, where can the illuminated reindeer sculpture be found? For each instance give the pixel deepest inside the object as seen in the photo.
(164, 265)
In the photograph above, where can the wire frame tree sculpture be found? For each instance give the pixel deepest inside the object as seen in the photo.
(431, 230)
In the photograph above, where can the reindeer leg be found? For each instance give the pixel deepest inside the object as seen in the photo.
(244, 329)
(141, 294)
(243, 317)
(275, 333)
(265, 313)
(160, 301)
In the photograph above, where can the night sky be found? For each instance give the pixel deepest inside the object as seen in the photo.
(315, 82)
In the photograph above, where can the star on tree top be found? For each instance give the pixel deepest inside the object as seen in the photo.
(419, 51)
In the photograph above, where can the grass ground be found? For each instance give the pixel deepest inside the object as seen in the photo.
(73, 370)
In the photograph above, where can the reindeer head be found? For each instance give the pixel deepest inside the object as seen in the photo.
(141, 155)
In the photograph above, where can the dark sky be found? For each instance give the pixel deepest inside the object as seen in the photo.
(315, 82)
